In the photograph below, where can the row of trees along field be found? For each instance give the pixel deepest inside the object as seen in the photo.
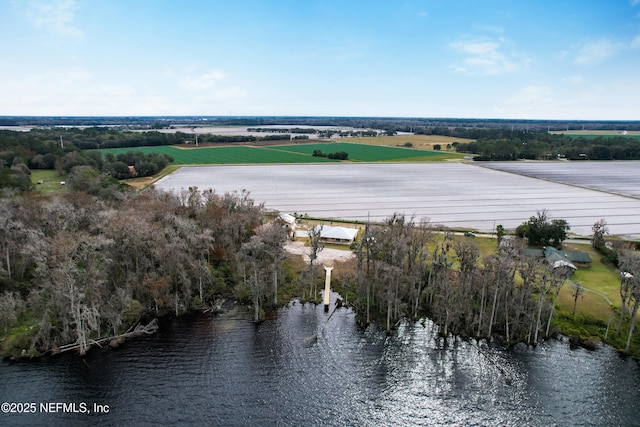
(507, 145)
(43, 139)
(404, 269)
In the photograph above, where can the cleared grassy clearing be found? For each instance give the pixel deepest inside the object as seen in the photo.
(599, 277)
(50, 180)
(364, 152)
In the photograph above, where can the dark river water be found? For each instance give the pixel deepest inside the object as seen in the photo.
(226, 371)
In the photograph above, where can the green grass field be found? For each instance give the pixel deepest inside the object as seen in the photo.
(50, 180)
(367, 153)
(296, 153)
(223, 155)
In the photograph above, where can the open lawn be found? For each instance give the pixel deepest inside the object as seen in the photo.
(50, 180)
(602, 279)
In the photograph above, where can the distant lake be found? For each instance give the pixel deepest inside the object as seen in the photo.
(457, 195)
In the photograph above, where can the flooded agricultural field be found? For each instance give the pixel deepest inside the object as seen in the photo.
(457, 195)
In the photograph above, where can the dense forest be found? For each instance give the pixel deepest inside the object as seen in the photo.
(76, 268)
(44, 139)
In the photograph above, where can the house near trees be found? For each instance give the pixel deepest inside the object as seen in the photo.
(330, 234)
(559, 258)
(340, 235)
(575, 258)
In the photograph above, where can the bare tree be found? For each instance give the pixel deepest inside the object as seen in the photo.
(261, 257)
(578, 290)
(315, 247)
(599, 230)
(630, 263)
(558, 279)
(626, 289)
(273, 237)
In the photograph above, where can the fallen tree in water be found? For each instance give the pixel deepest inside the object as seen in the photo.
(114, 341)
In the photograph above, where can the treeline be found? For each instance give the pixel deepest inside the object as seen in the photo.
(283, 130)
(121, 166)
(322, 133)
(96, 169)
(76, 268)
(465, 293)
(338, 155)
(43, 141)
(393, 124)
(543, 145)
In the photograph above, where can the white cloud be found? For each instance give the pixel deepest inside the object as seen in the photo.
(78, 92)
(575, 80)
(611, 100)
(55, 16)
(532, 96)
(203, 81)
(229, 93)
(594, 52)
(484, 57)
(635, 43)
(635, 2)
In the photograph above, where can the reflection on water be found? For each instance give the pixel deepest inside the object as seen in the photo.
(227, 371)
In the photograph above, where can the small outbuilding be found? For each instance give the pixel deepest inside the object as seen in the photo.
(289, 223)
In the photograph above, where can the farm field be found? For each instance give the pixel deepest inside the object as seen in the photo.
(418, 141)
(368, 153)
(457, 195)
(290, 153)
(618, 177)
(224, 155)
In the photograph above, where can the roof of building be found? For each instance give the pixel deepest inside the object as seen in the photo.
(289, 219)
(341, 233)
(533, 252)
(581, 257)
(557, 258)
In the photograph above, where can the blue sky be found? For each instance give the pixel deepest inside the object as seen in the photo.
(542, 59)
